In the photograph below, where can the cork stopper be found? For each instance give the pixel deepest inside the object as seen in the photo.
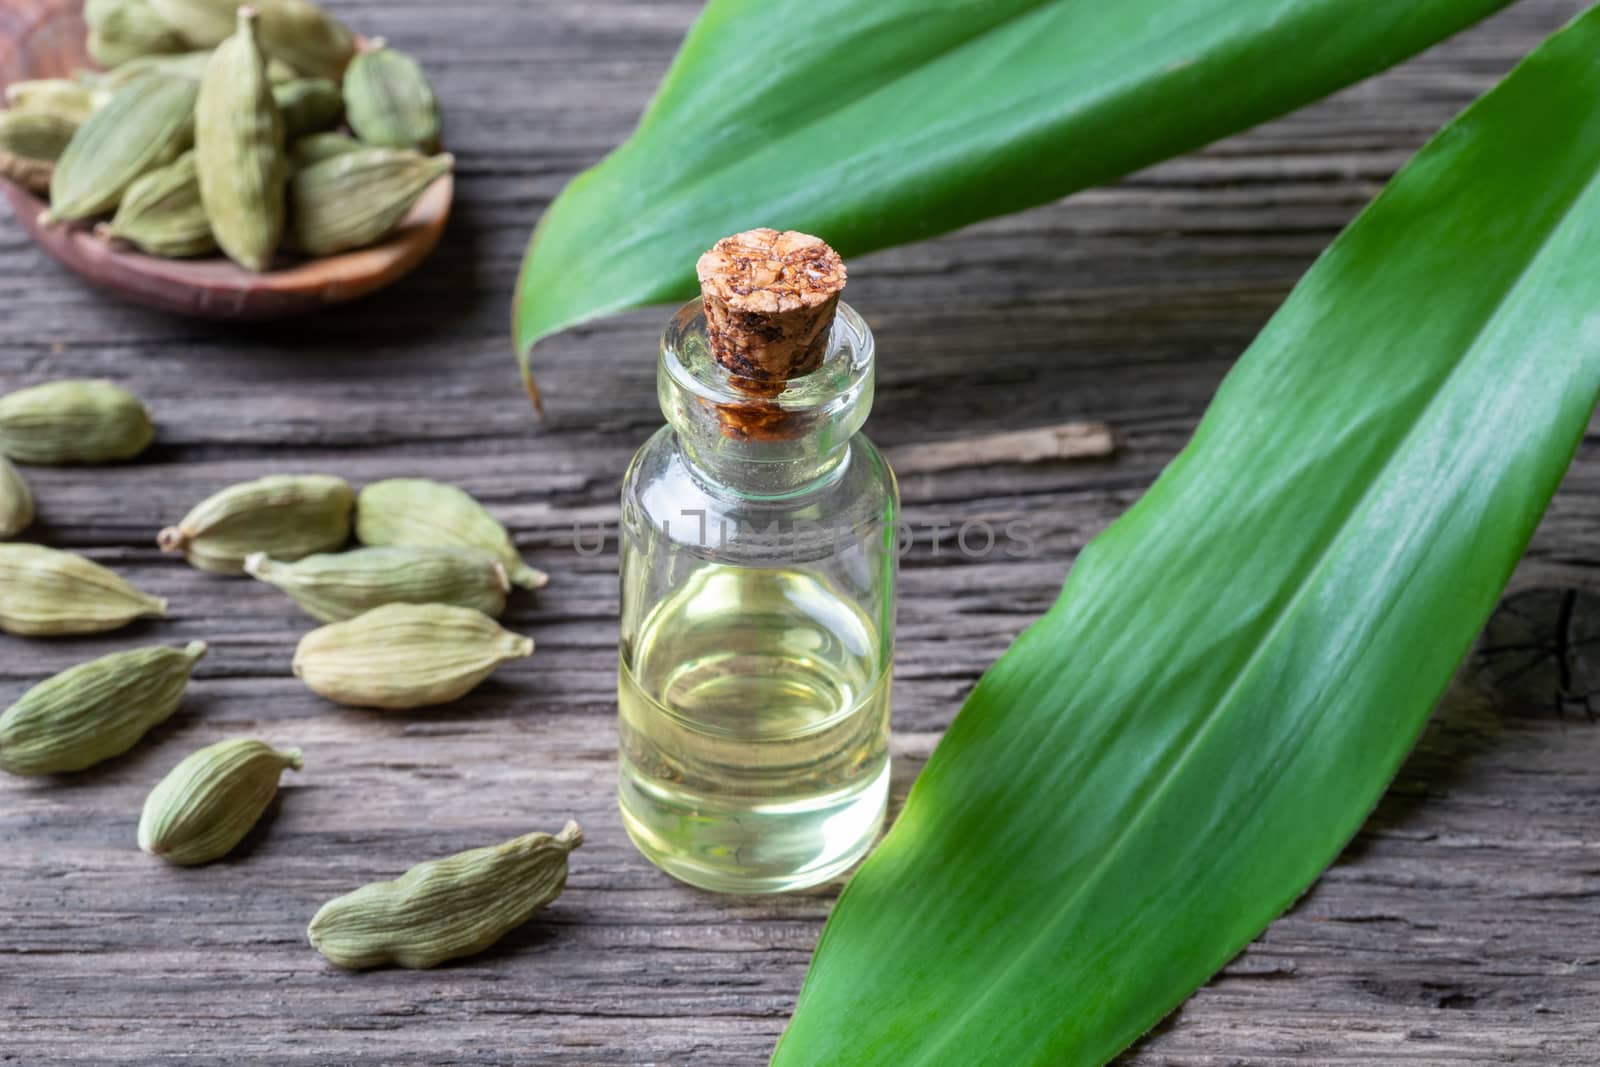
(770, 300)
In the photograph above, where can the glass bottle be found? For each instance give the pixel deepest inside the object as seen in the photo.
(758, 601)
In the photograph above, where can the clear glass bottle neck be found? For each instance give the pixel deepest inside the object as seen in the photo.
(757, 445)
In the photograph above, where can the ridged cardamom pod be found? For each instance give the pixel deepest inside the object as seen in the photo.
(191, 65)
(287, 516)
(357, 198)
(30, 144)
(161, 213)
(35, 134)
(405, 655)
(307, 38)
(16, 501)
(301, 34)
(73, 421)
(315, 147)
(308, 105)
(239, 149)
(341, 585)
(62, 97)
(146, 125)
(45, 592)
(389, 99)
(416, 511)
(94, 711)
(120, 30)
(207, 803)
(447, 908)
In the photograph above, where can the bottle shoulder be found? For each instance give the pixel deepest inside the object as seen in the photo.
(661, 462)
(665, 496)
(874, 467)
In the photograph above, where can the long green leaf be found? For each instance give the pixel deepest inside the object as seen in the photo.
(876, 122)
(1237, 667)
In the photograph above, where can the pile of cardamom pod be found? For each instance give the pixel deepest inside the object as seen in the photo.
(409, 622)
(220, 127)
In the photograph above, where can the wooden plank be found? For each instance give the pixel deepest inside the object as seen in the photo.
(1460, 928)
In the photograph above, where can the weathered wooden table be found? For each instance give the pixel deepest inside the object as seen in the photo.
(1463, 925)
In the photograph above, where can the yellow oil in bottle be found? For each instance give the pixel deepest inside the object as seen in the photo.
(754, 716)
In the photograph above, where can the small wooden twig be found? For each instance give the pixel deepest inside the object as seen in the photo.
(1070, 440)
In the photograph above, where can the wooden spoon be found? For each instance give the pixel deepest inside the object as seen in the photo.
(45, 39)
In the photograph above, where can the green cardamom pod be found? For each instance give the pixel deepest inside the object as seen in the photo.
(389, 99)
(202, 23)
(45, 592)
(207, 803)
(62, 97)
(191, 65)
(30, 144)
(306, 37)
(73, 421)
(315, 147)
(120, 30)
(35, 134)
(146, 125)
(16, 501)
(301, 34)
(416, 511)
(161, 213)
(358, 197)
(447, 908)
(239, 149)
(287, 516)
(341, 585)
(308, 105)
(94, 711)
(405, 655)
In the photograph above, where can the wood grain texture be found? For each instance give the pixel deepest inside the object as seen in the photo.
(45, 39)
(1461, 927)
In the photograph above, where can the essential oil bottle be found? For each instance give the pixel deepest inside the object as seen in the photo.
(758, 574)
